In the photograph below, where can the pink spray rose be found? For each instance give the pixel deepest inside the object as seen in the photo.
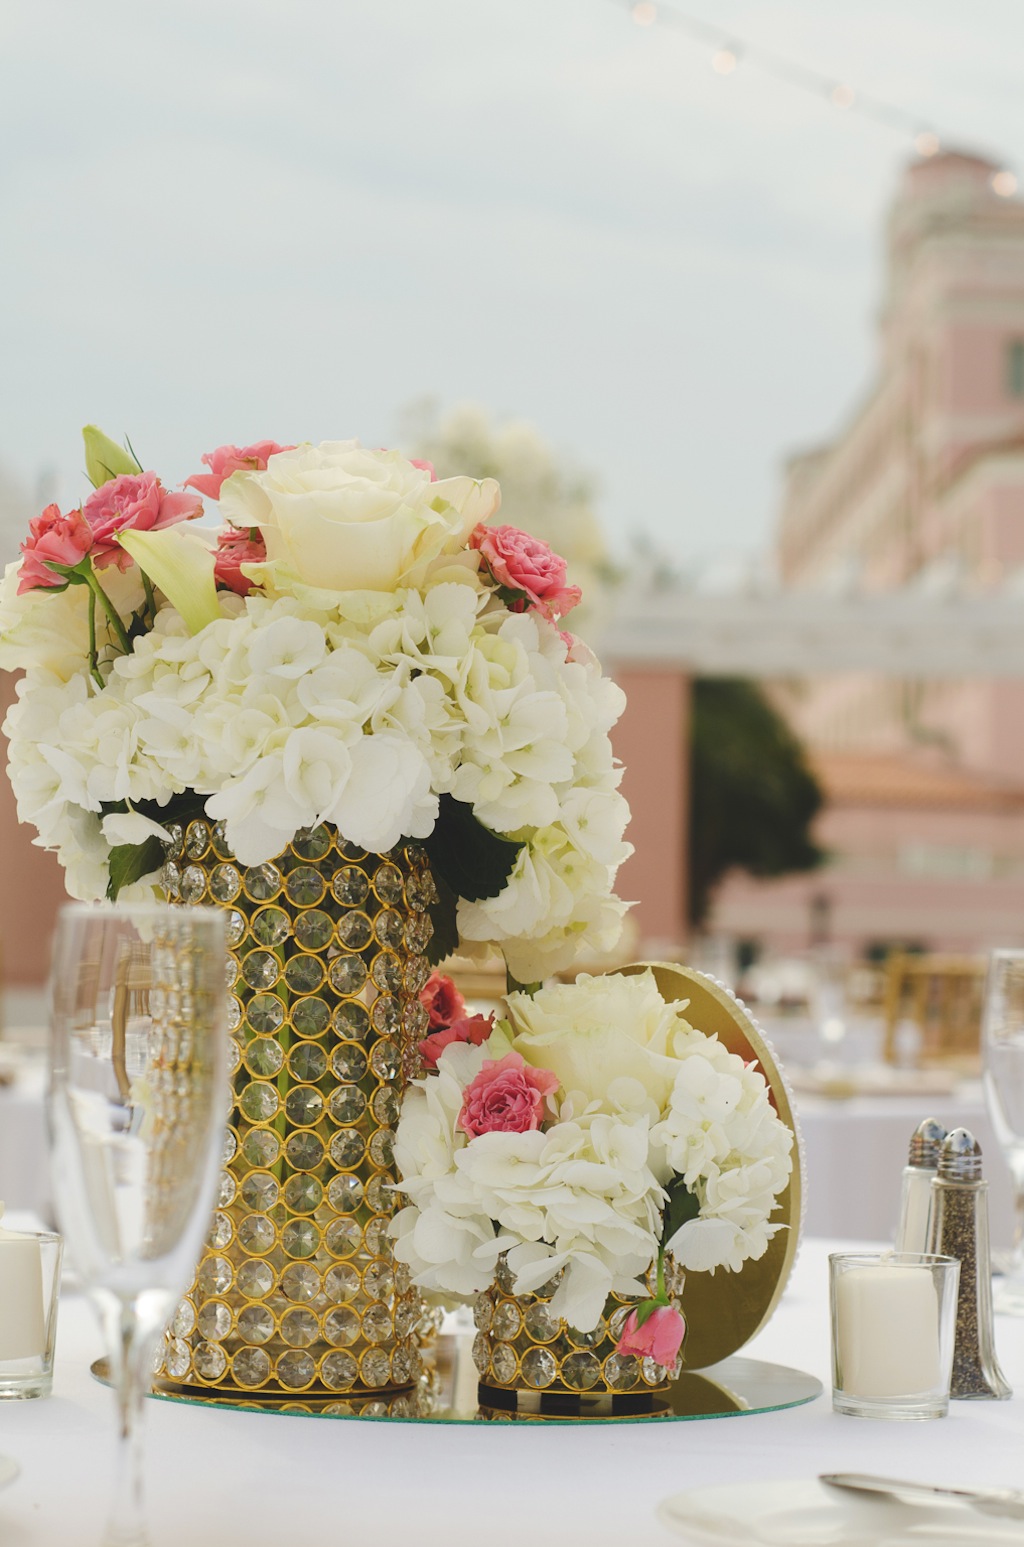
(474, 1028)
(442, 1001)
(660, 1338)
(524, 563)
(507, 1096)
(59, 539)
(135, 501)
(235, 548)
(232, 459)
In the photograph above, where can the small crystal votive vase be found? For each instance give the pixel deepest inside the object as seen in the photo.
(893, 1328)
(29, 1295)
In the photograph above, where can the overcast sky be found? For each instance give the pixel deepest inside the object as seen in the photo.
(230, 219)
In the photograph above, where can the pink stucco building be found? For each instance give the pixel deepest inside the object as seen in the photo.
(923, 488)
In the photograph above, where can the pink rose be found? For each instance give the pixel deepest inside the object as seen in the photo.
(235, 548)
(474, 1029)
(52, 538)
(135, 501)
(442, 1000)
(660, 1338)
(524, 563)
(507, 1096)
(232, 459)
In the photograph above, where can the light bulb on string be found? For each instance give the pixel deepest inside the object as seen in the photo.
(1004, 183)
(725, 61)
(644, 13)
(842, 96)
(926, 143)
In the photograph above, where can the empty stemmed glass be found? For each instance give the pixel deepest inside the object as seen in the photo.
(1002, 1041)
(138, 1104)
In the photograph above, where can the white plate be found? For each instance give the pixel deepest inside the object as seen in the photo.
(808, 1514)
(8, 1470)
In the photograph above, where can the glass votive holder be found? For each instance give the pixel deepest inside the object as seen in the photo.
(893, 1327)
(30, 1265)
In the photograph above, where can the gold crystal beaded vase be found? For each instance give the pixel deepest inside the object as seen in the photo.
(532, 1363)
(297, 1291)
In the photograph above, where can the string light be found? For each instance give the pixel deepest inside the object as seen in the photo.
(1004, 184)
(726, 55)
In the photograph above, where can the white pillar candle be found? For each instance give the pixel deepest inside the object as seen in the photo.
(888, 1330)
(22, 1331)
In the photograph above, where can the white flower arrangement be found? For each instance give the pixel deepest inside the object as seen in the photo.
(357, 646)
(592, 1131)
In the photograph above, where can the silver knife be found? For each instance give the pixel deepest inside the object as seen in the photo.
(1007, 1502)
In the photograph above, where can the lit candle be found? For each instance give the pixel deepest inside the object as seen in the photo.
(888, 1330)
(22, 1333)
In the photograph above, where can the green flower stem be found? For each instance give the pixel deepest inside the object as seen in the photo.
(661, 1295)
(147, 586)
(94, 666)
(113, 619)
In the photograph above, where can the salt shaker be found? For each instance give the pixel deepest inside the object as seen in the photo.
(959, 1228)
(916, 1196)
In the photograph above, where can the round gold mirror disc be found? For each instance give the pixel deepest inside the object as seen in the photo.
(724, 1310)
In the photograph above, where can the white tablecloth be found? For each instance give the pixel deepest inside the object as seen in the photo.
(234, 1479)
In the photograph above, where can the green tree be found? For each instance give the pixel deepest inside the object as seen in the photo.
(753, 795)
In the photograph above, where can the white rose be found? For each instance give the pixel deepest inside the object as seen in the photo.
(341, 518)
(596, 1030)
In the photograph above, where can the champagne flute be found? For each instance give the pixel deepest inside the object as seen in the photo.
(1002, 1041)
(138, 1104)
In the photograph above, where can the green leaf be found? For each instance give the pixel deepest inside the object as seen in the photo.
(513, 985)
(104, 458)
(71, 574)
(182, 565)
(474, 862)
(645, 1310)
(682, 1205)
(131, 861)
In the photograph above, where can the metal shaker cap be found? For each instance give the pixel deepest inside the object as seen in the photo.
(926, 1144)
(960, 1157)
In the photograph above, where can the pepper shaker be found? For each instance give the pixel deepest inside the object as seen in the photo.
(916, 1196)
(959, 1228)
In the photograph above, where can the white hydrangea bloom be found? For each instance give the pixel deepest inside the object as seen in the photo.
(361, 708)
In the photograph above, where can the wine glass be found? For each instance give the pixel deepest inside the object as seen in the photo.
(138, 1104)
(1002, 1041)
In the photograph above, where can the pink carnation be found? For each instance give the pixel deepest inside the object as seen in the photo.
(474, 1029)
(660, 1338)
(52, 538)
(524, 563)
(507, 1096)
(135, 501)
(235, 548)
(442, 1001)
(232, 459)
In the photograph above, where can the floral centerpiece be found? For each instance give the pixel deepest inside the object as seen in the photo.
(589, 1147)
(351, 717)
(355, 646)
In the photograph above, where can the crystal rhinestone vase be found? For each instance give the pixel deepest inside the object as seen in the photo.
(297, 1290)
(529, 1360)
